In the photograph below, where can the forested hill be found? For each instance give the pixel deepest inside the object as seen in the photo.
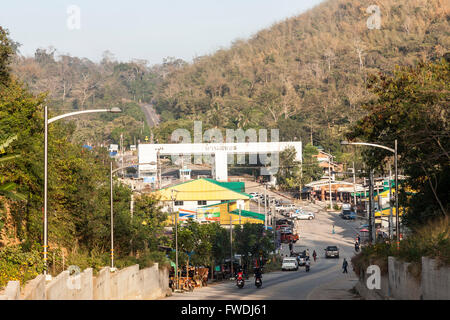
(73, 83)
(305, 75)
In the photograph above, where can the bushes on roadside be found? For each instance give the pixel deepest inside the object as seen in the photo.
(16, 264)
(432, 240)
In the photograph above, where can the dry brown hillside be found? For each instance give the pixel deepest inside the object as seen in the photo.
(305, 75)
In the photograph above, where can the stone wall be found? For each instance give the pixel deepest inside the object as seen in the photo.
(128, 283)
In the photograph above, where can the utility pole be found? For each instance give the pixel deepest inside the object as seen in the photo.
(176, 237)
(265, 206)
(274, 225)
(182, 168)
(390, 203)
(231, 248)
(158, 170)
(329, 180)
(371, 227)
(240, 209)
(121, 147)
(354, 183)
(258, 204)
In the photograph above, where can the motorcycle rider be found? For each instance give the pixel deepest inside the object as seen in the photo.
(258, 274)
(240, 276)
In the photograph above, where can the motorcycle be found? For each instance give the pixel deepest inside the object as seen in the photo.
(240, 280)
(258, 282)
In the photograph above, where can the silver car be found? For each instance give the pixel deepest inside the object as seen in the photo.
(289, 263)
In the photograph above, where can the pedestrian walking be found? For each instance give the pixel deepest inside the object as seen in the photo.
(290, 246)
(344, 266)
(359, 238)
(314, 255)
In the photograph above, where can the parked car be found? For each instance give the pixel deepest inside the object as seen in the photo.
(304, 215)
(285, 207)
(289, 263)
(331, 252)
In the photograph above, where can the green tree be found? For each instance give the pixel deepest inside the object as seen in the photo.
(310, 167)
(412, 106)
(252, 242)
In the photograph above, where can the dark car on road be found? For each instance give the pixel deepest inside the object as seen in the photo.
(348, 215)
(285, 222)
(331, 252)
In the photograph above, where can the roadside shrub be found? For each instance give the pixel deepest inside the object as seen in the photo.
(94, 259)
(19, 265)
(432, 240)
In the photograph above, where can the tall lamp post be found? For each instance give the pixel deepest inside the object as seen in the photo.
(173, 198)
(111, 172)
(46, 123)
(395, 151)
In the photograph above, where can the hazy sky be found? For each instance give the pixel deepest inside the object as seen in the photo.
(148, 30)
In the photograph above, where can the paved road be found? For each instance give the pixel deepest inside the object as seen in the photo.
(150, 115)
(296, 285)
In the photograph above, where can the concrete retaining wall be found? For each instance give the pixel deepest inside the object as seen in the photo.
(435, 282)
(128, 283)
(374, 294)
(102, 285)
(400, 284)
(35, 289)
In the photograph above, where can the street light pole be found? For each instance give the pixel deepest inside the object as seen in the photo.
(395, 152)
(45, 187)
(46, 123)
(397, 213)
(112, 216)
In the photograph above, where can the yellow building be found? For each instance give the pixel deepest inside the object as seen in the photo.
(209, 200)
